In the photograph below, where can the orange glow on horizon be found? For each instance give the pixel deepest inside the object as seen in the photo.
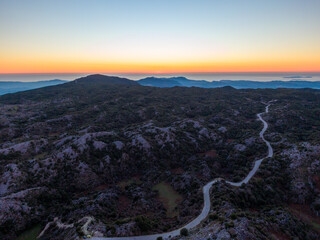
(159, 68)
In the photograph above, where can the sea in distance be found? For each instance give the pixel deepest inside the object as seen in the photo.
(262, 77)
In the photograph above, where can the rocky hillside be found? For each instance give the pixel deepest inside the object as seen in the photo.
(130, 160)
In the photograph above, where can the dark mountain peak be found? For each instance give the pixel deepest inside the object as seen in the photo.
(179, 78)
(165, 78)
(159, 82)
(99, 78)
(173, 82)
(228, 88)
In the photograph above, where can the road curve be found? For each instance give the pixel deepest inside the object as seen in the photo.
(206, 195)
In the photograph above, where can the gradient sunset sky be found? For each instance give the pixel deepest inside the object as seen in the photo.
(159, 36)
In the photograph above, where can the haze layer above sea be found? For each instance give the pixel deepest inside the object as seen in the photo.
(30, 77)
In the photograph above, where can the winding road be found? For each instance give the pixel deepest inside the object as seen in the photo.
(206, 195)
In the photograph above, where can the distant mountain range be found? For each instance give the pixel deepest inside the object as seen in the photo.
(184, 82)
(12, 87)
(103, 79)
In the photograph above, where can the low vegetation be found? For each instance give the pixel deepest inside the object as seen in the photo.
(135, 159)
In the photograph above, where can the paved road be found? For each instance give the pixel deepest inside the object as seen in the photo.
(206, 196)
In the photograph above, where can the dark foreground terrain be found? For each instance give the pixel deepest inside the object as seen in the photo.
(131, 160)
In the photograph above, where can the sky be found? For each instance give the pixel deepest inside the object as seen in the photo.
(159, 36)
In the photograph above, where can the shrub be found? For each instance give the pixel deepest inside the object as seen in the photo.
(184, 232)
(144, 223)
(213, 217)
(233, 216)
(229, 225)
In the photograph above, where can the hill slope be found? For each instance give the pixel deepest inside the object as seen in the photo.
(159, 82)
(103, 79)
(12, 87)
(184, 82)
(87, 86)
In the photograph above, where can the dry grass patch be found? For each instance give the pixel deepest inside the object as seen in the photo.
(169, 198)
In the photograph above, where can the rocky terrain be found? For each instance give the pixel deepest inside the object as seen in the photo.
(104, 156)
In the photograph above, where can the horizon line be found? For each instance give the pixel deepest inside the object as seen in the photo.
(157, 73)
